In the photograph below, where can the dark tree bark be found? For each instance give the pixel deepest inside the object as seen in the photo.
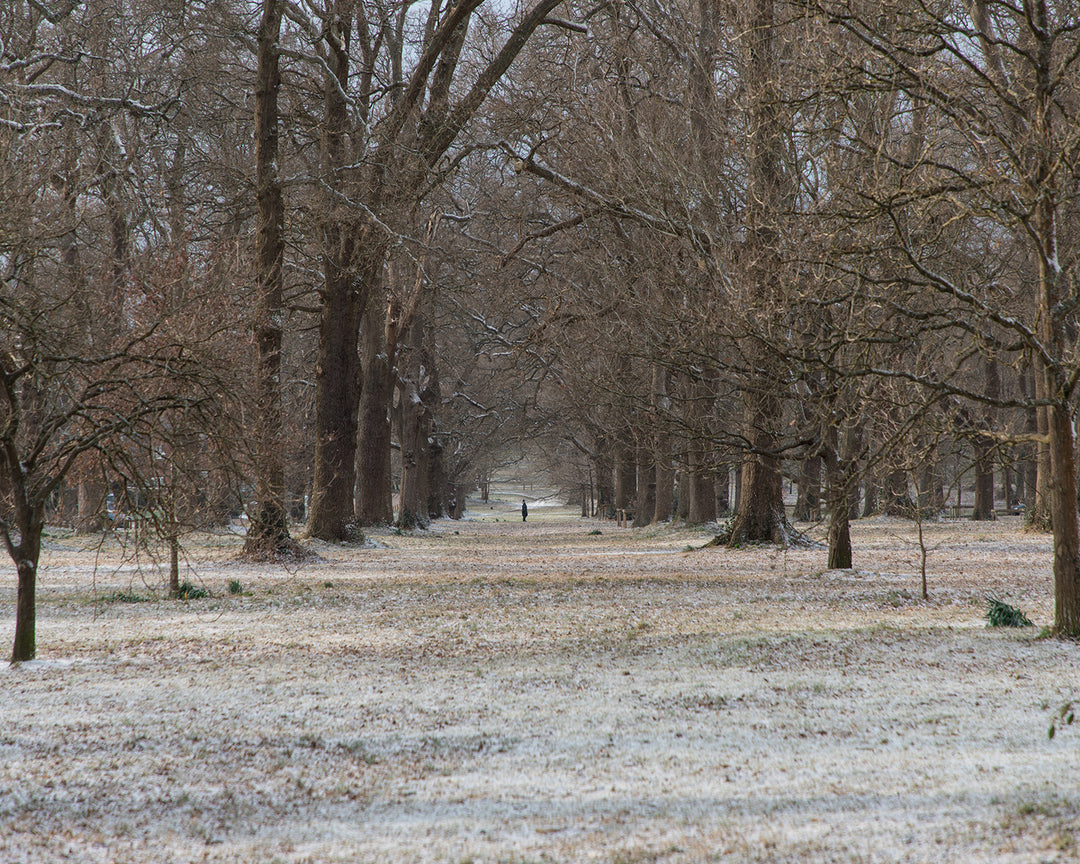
(374, 487)
(761, 517)
(898, 491)
(411, 510)
(985, 447)
(664, 474)
(808, 502)
(337, 369)
(625, 477)
(268, 530)
(702, 483)
(682, 503)
(840, 477)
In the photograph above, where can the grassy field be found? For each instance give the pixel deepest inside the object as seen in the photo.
(488, 691)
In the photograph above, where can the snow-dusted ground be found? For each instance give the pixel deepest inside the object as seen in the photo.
(489, 691)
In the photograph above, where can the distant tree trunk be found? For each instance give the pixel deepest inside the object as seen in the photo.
(91, 506)
(870, 505)
(605, 483)
(374, 481)
(268, 531)
(645, 509)
(1008, 477)
(1030, 460)
(702, 487)
(808, 501)
(723, 490)
(682, 508)
(461, 494)
(664, 476)
(625, 477)
(931, 495)
(983, 508)
(839, 476)
(411, 509)
(1039, 515)
(899, 501)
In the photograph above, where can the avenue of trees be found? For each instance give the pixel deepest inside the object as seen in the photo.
(303, 259)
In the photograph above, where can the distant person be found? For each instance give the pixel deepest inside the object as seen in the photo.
(524, 510)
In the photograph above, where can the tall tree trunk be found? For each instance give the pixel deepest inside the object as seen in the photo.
(1030, 449)
(761, 517)
(337, 368)
(268, 530)
(374, 481)
(838, 478)
(626, 491)
(337, 398)
(1064, 518)
(983, 509)
(723, 490)
(605, 481)
(682, 509)
(702, 479)
(808, 502)
(1039, 515)
(645, 509)
(411, 510)
(374, 477)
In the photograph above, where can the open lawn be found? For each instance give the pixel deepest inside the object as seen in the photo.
(489, 691)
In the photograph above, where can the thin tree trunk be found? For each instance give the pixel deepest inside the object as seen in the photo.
(983, 509)
(625, 477)
(411, 512)
(839, 476)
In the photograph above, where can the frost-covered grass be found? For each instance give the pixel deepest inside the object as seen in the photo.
(499, 692)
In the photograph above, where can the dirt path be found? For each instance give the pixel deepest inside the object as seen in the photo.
(489, 691)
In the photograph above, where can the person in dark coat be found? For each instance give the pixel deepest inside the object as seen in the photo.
(524, 510)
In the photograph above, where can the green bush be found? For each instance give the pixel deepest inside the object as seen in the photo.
(235, 587)
(1001, 614)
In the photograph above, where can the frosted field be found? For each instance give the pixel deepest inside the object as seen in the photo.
(487, 691)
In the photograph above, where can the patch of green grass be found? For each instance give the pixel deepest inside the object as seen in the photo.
(235, 586)
(896, 599)
(187, 591)
(124, 597)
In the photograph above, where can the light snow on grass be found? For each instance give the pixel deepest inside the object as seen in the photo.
(489, 691)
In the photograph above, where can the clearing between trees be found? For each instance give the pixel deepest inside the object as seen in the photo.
(489, 691)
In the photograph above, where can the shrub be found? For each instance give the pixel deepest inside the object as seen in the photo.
(1001, 614)
(235, 587)
(187, 591)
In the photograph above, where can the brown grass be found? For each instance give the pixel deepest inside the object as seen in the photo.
(489, 691)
